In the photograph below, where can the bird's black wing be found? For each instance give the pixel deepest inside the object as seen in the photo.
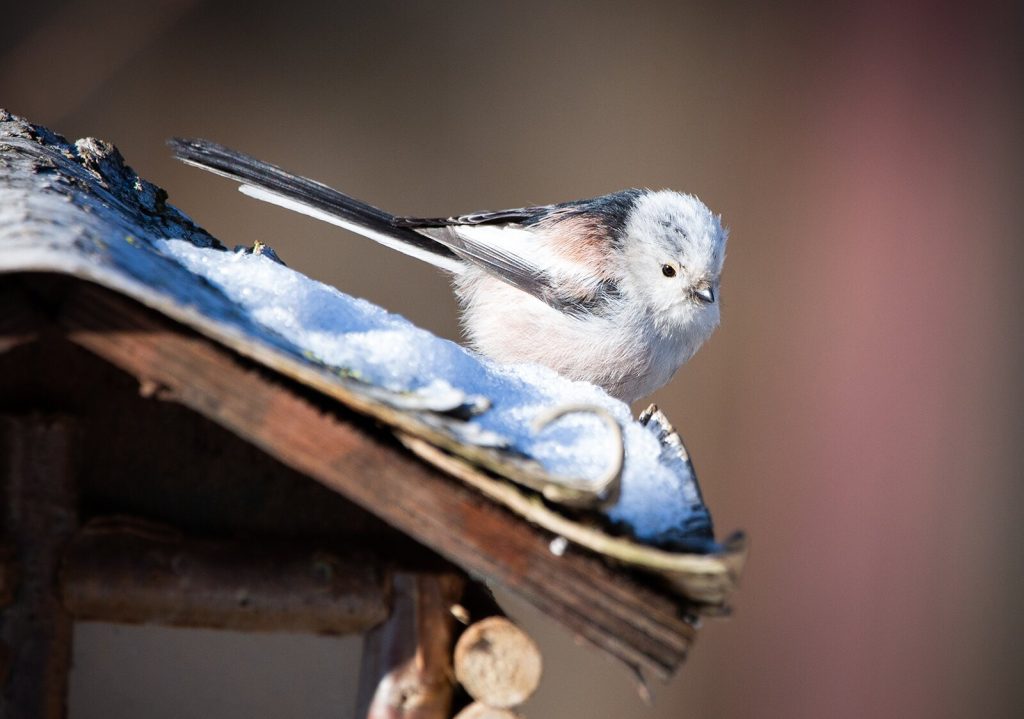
(515, 254)
(495, 241)
(609, 211)
(518, 215)
(553, 252)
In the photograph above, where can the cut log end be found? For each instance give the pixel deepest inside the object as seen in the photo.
(497, 663)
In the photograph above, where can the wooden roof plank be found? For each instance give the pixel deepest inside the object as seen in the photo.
(633, 622)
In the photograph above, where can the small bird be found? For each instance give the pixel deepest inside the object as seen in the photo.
(618, 290)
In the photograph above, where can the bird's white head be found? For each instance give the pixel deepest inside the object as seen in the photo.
(673, 248)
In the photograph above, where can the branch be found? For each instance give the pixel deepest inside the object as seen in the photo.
(133, 572)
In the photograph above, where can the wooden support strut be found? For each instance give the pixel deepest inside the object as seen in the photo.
(38, 516)
(406, 667)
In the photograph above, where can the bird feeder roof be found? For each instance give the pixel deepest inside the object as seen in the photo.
(79, 212)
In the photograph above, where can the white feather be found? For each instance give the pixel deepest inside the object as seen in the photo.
(532, 250)
(445, 263)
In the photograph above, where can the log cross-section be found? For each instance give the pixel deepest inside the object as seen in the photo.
(497, 663)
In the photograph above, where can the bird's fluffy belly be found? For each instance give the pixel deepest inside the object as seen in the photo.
(508, 325)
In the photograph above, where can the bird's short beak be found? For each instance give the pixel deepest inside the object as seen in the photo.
(705, 295)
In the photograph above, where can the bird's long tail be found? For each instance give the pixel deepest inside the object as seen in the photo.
(272, 184)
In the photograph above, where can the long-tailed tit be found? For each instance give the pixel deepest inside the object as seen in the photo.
(618, 290)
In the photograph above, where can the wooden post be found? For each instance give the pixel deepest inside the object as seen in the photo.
(406, 668)
(38, 515)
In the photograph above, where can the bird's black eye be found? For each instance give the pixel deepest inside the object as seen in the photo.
(668, 270)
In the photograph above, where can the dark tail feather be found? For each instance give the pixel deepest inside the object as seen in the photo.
(243, 168)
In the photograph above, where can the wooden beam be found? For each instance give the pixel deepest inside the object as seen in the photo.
(38, 516)
(407, 661)
(133, 572)
(638, 624)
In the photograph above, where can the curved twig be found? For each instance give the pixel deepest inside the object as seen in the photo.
(568, 490)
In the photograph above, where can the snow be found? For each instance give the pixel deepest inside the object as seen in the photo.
(658, 501)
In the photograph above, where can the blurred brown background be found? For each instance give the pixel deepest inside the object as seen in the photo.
(860, 411)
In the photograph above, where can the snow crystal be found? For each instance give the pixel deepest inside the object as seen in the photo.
(387, 350)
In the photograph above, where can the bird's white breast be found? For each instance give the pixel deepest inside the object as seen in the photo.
(626, 355)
